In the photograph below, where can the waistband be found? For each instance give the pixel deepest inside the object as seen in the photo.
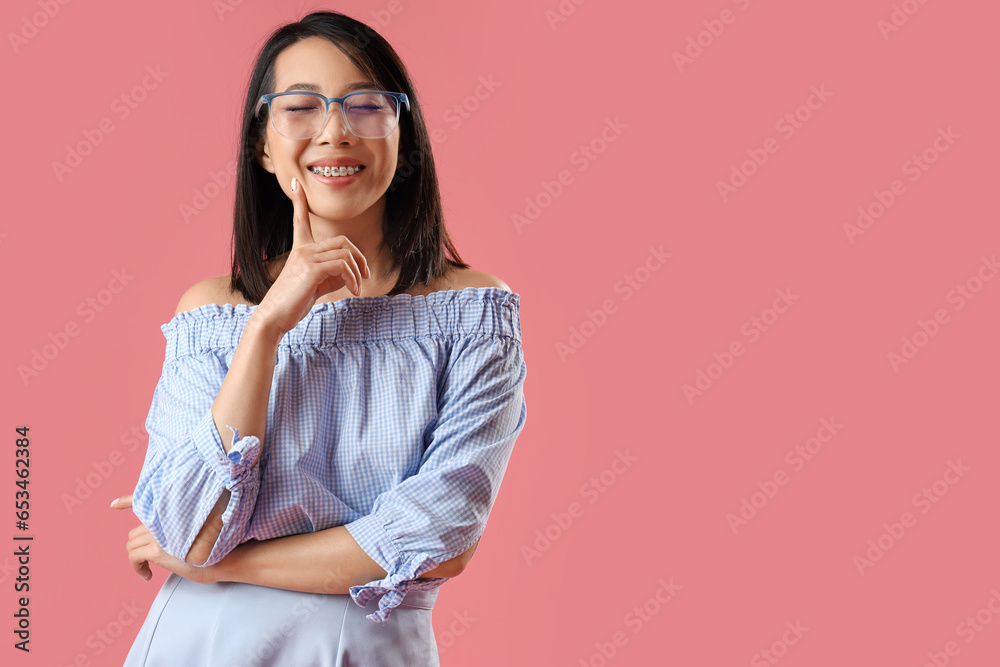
(420, 599)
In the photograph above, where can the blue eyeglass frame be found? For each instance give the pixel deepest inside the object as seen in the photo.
(266, 99)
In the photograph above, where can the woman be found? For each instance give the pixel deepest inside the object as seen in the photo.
(372, 386)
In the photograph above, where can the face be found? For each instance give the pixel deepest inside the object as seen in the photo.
(317, 61)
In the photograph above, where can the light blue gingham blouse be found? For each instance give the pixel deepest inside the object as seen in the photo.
(394, 416)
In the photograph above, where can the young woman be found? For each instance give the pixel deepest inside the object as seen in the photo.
(371, 385)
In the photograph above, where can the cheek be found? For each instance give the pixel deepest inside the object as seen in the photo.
(284, 156)
(388, 162)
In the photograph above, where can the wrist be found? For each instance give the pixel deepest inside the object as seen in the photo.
(229, 568)
(208, 574)
(260, 329)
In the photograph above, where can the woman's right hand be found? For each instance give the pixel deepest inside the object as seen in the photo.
(311, 270)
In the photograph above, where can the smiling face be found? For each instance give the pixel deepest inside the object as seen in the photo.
(317, 65)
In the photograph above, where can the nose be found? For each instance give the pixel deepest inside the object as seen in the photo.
(334, 127)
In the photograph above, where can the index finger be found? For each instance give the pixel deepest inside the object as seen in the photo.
(122, 503)
(301, 231)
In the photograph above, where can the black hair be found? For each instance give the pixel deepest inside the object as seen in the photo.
(413, 226)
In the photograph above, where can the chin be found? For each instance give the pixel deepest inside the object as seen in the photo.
(337, 213)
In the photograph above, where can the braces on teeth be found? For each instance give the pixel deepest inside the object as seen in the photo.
(337, 171)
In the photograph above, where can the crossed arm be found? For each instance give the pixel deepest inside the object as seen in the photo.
(331, 560)
(327, 561)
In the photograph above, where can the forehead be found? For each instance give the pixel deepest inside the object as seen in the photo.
(317, 61)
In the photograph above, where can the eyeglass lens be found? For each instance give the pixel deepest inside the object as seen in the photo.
(301, 116)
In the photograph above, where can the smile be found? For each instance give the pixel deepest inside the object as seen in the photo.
(336, 171)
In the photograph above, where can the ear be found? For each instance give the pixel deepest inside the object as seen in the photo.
(262, 150)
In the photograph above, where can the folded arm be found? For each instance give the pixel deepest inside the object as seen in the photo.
(427, 527)
(327, 561)
(418, 532)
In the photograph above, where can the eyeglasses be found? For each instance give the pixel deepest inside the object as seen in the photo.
(368, 114)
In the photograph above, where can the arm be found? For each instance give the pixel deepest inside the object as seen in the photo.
(426, 527)
(191, 479)
(242, 400)
(441, 512)
(327, 561)
(202, 514)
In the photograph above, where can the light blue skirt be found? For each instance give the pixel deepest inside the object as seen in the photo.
(242, 625)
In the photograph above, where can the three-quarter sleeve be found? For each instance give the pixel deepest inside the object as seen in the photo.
(187, 468)
(441, 511)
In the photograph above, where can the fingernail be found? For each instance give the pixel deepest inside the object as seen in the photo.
(114, 502)
(294, 184)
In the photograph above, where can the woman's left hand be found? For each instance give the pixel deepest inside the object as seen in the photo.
(143, 549)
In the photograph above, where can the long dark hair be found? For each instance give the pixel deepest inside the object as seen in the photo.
(413, 223)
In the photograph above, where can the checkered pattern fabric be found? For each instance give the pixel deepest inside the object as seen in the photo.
(392, 416)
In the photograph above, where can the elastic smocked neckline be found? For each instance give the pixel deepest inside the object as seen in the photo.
(490, 311)
(366, 302)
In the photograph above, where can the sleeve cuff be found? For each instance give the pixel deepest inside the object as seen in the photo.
(236, 472)
(402, 575)
(237, 464)
(392, 589)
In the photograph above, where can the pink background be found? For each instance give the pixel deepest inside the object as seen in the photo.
(604, 549)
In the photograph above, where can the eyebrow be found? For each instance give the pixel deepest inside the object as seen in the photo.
(357, 85)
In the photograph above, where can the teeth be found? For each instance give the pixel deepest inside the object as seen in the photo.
(337, 171)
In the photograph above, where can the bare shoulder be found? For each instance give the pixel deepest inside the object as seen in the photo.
(461, 278)
(210, 290)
